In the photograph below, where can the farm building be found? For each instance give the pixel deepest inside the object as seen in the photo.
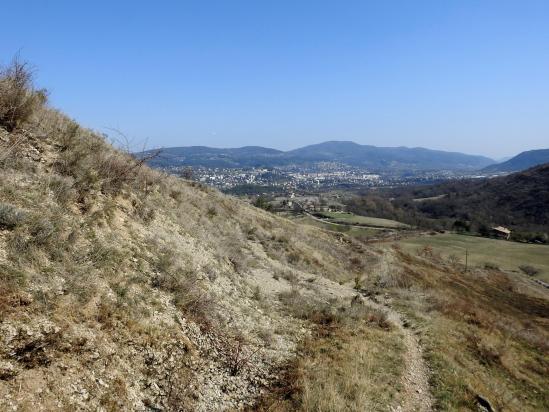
(501, 232)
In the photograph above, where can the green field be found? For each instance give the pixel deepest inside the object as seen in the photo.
(504, 254)
(352, 219)
(357, 231)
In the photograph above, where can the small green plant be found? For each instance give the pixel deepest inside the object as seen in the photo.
(491, 266)
(257, 295)
(212, 212)
(358, 283)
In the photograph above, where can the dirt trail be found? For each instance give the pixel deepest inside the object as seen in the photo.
(416, 396)
(415, 380)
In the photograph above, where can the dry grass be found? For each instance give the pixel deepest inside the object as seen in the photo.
(353, 365)
(351, 362)
(485, 334)
(98, 243)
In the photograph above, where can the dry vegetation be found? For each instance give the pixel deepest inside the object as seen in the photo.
(353, 361)
(122, 287)
(485, 333)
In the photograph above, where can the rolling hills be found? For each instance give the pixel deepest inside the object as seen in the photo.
(349, 153)
(518, 201)
(522, 161)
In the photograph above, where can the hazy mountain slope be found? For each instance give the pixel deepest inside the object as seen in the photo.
(387, 157)
(352, 154)
(212, 157)
(522, 161)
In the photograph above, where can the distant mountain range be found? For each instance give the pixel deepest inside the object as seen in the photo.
(349, 153)
(522, 161)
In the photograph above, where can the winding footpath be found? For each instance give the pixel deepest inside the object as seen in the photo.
(416, 395)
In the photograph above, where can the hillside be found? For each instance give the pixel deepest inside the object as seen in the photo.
(383, 158)
(518, 201)
(250, 156)
(522, 161)
(123, 288)
(349, 153)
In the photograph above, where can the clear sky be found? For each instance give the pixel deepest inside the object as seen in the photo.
(470, 76)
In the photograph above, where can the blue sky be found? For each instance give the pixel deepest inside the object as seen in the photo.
(470, 76)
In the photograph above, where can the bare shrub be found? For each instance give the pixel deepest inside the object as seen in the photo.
(167, 366)
(257, 295)
(10, 216)
(237, 354)
(188, 295)
(288, 275)
(266, 335)
(357, 264)
(425, 251)
(18, 98)
(62, 189)
(212, 212)
(491, 266)
(529, 270)
(486, 353)
(11, 281)
(453, 260)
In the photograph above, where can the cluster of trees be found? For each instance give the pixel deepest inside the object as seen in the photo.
(519, 201)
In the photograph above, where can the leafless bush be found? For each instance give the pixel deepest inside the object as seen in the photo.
(257, 295)
(287, 275)
(188, 294)
(491, 266)
(11, 280)
(425, 251)
(62, 188)
(486, 353)
(18, 98)
(237, 354)
(87, 158)
(167, 366)
(10, 216)
(453, 259)
(529, 270)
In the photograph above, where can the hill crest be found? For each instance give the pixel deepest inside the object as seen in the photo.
(345, 152)
(522, 161)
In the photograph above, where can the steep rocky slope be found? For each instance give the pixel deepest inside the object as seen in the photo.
(126, 288)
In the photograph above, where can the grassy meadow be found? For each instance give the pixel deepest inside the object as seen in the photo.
(355, 231)
(352, 219)
(482, 251)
